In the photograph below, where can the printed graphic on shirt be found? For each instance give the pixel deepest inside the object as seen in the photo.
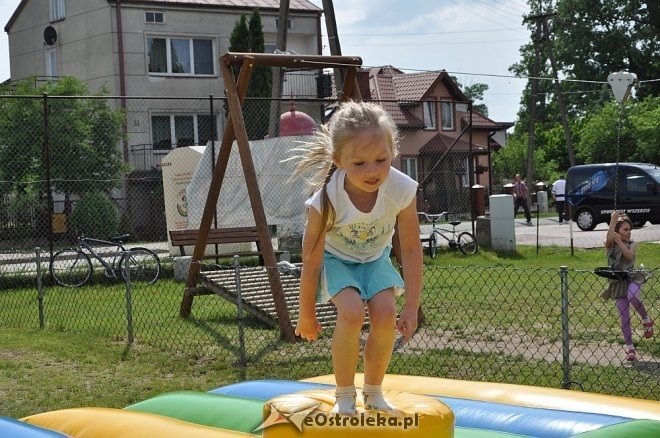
(361, 236)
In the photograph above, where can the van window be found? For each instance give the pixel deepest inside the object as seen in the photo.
(636, 181)
(655, 173)
(590, 180)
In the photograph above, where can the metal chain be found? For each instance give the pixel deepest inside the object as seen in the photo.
(618, 153)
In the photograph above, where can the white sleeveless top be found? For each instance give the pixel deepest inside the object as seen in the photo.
(362, 237)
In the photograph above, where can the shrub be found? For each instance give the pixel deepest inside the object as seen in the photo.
(95, 215)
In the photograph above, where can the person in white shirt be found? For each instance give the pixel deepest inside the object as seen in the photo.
(559, 195)
(351, 216)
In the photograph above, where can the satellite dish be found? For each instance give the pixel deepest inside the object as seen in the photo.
(50, 35)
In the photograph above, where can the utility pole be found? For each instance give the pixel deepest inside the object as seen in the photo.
(547, 39)
(531, 141)
(278, 72)
(333, 42)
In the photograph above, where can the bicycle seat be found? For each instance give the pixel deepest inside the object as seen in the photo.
(120, 239)
(455, 223)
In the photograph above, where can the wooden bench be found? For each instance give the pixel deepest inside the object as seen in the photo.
(183, 238)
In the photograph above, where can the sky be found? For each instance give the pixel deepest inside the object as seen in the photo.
(474, 40)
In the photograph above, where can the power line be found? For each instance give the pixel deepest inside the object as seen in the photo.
(430, 33)
(497, 9)
(432, 43)
(474, 13)
(513, 7)
(505, 76)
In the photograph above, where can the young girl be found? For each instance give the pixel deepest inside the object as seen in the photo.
(620, 251)
(359, 198)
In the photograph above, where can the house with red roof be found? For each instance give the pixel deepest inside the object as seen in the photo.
(444, 144)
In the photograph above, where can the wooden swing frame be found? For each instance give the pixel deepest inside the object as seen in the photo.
(235, 130)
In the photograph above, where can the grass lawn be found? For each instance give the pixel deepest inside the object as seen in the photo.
(476, 306)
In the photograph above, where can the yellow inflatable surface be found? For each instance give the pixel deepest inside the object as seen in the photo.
(518, 395)
(111, 423)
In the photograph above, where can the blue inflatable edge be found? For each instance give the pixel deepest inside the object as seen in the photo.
(538, 422)
(10, 427)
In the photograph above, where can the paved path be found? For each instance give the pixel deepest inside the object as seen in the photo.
(549, 232)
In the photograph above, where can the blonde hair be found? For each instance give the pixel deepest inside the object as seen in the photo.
(316, 165)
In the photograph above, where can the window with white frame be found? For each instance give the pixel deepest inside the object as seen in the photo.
(429, 114)
(178, 130)
(465, 176)
(154, 17)
(409, 166)
(289, 23)
(191, 56)
(57, 10)
(270, 47)
(447, 115)
(50, 61)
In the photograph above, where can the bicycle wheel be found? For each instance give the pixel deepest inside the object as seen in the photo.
(433, 248)
(466, 243)
(70, 268)
(144, 265)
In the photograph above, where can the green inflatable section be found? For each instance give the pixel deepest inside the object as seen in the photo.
(214, 410)
(632, 428)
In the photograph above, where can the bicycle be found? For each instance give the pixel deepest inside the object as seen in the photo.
(456, 240)
(72, 267)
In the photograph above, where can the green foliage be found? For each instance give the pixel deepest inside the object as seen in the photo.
(95, 216)
(475, 93)
(250, 38)
(611, 135)
(239, 40)
(594, 39)
(590, 40)
(83, 136)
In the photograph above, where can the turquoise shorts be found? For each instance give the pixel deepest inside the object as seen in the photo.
(367, 278)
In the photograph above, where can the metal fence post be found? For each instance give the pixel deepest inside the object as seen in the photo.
(40, 289)
(565, 333)
(129, 297)
(239, 299)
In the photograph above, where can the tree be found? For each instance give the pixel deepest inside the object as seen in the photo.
(83, 134)
(594, 39)
(611, 135)
(475, 93)
(251, 39)
(590, 41)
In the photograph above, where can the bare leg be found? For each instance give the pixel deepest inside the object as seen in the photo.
(378, 351)
(346, 337)
(382, 322)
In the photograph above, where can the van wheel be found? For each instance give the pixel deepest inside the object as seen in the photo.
(586, 220)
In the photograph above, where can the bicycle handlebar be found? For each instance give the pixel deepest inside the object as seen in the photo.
(433, 217)
(116, 240)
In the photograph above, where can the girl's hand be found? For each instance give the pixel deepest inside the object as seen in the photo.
(308, 328)
(407, 323)
(615, 216)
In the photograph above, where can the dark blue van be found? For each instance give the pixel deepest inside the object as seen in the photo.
(591, 188)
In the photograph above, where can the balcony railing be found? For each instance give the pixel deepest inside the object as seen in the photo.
(144, 158)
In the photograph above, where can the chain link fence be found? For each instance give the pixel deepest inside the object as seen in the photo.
(543, 327)
(101, 166)
(104, 166)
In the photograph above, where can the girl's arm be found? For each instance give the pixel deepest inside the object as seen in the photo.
(611, 234)
(627, 253)
(308, 326)
(411, 260)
